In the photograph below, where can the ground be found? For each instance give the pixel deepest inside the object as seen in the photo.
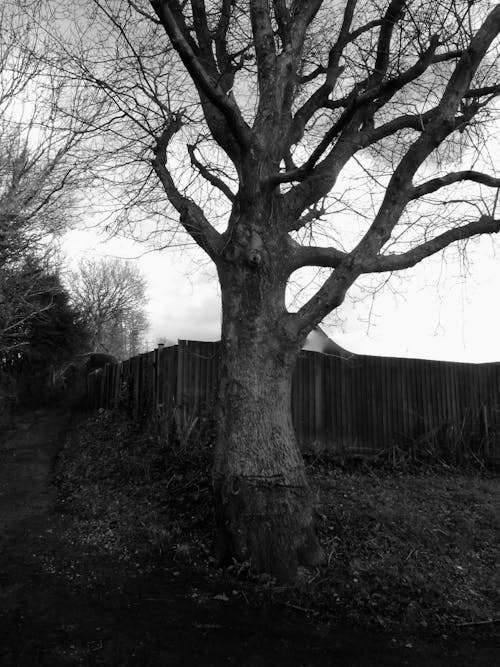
(68, 597)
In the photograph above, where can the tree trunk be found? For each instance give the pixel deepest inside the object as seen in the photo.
(264, 507)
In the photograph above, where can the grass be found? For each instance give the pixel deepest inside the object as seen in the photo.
(406, 549)
(412, 549)
(129, 492)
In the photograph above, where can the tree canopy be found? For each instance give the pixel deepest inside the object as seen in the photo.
(322, 93)
(41, 331)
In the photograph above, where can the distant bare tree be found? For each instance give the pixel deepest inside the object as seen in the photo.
(136, 326)
(350, 136)
(43, 162)
(111, 293)
(20, 289)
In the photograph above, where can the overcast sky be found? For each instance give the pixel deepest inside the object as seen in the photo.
(436, 312)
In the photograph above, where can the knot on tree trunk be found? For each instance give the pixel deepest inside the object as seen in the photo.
(255, 251)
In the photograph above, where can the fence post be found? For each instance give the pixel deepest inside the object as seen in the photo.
(117, 385)
(181, 359)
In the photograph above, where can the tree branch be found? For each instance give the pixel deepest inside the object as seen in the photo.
(441, 123)
(316, 182)
(391, 17)
(202, 32)
(395, 262)
(278, 71)
(346, 271)
(377, 94)
(199, 75)
(192, 217)
(209, 176)
(332, 71)
(437, 183)
(400, 189)
(459, 83)
(484, 91)
(313, 214)
(303, 12)
(330, 295)
(220, 39)
(314, 256)
(283, 19)
(364, 28)
(263, 37)
(321, 69)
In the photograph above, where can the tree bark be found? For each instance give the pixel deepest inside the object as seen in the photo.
(264, 506)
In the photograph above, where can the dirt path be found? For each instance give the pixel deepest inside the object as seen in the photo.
(64, 605)
(26, 454)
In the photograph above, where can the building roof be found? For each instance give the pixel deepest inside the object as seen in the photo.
(319, 341)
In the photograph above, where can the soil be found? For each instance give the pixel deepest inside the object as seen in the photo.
(61, 604)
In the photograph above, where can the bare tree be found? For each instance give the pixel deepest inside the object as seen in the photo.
(308, 119)
(111, 293)
(43, 161)
(20, 303)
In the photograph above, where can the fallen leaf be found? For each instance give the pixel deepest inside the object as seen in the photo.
(221, 596)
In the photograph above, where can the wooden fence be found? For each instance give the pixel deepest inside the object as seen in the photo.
(362, 404)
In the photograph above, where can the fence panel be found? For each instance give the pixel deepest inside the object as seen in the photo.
(360, 404)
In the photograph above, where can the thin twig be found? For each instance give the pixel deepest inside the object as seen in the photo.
(297, 608)
(488, 622)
